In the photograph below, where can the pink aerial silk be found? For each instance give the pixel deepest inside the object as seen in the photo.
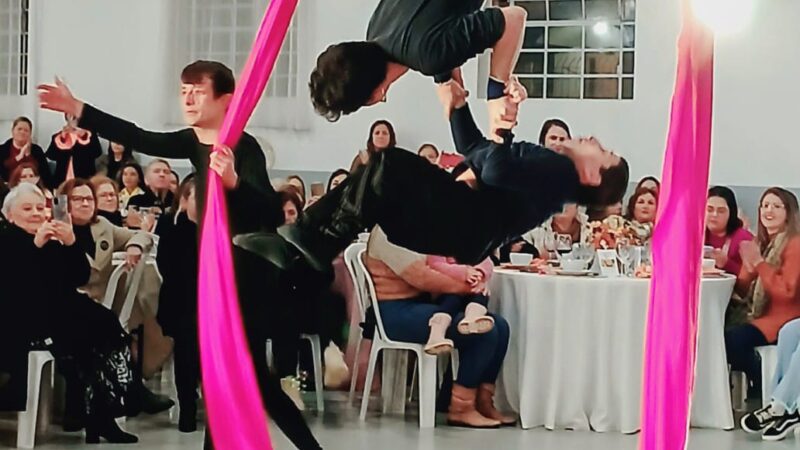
(235, 411)
(671, 337)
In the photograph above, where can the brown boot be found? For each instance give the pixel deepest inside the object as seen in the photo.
(462, 410)
(485, 405)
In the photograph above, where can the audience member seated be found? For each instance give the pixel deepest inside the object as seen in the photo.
(131, 182)
(107, 199)
(571, 222)
(381, 136)
(116, 156)
(177, 312)
(336, 178)
(553, 134)
(28, 172)
(144, 210)
(76, 149)
(174, 182)
(99, 240)
(299, 185)
(90, 347)
(292, 204)
(642, 208)
(780, 417)
(768, 282)
(429, 152)
(725, 233)
(20, 149)
(404, 283)
(649, 182)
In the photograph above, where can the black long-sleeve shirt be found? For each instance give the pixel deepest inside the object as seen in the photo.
(252, 206)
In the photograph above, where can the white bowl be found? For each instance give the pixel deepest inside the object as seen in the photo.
(521, 259)
(573, 265)
(709, 263)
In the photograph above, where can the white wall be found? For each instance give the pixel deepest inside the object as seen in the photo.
(126, 44)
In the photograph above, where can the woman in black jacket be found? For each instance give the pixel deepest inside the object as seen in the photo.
(19, 149)
(43, 310)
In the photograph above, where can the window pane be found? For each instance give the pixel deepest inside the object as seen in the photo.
(222, 17)
(629, 36)
(601, 88)
(602, 35)
(627, 88)
(534, 37)
(537, 10)
(530, 63)
(566, 10)
(627, 62)
(564, 63)
(221, 43)
(564, 37)
(628, 9)
(602, 9)
(563, 88)
(535, 86)
(600, 63)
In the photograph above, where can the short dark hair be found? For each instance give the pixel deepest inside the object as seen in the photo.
(725, 193)
(550, 124)
(345, 77)
(291, 194)
(611, 189)
(68, 186)
(221, 77)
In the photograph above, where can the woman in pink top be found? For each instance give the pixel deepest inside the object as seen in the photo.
(475, 320)
(724, 229)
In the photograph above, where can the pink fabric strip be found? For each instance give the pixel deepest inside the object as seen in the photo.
(671, 336)
(235, 411)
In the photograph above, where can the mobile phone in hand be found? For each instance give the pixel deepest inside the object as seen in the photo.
(60, 209)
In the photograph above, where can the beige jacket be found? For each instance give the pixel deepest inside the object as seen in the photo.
(108, 239)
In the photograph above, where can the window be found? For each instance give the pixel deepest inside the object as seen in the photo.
(578, 49)
(14, 47)
(224, 32)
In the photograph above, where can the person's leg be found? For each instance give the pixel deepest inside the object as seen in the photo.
(740, 345)
(485, 399)
(786, 383)
(187, 376)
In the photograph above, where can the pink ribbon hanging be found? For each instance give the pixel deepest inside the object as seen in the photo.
(235, 411)
(671, 334)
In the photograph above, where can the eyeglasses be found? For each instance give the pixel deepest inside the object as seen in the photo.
(80, 199)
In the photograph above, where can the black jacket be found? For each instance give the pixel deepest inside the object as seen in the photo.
(83, 159)
(37, 154)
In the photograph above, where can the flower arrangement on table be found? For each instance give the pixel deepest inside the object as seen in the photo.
(612, 230)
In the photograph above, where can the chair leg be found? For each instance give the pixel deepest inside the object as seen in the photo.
(768, 363)
(316, 353)
(354, 376)
(373, 361)
(26, 427)
(413, 382)
(427, 390)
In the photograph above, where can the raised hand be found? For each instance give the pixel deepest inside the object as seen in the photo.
(57, 97)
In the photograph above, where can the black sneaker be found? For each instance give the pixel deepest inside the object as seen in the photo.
(782, 427)
(758, 420)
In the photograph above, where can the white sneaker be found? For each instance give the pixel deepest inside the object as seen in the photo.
(336, 371)
(291, 387)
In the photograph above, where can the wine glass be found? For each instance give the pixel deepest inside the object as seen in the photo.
(550, 245)
(563, 244)
(625, 254)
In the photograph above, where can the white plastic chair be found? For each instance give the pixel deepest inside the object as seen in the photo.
(351, 254)
(26, 423)
(316, 354)
(427, 363)
(131, 289)
(769, 362)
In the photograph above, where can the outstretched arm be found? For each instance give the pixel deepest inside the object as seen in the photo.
(58, 98)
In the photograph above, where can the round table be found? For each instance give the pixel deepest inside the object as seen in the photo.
(575, 356)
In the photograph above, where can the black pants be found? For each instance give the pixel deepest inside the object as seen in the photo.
(187, 370)
(740, 346)
(266, 314)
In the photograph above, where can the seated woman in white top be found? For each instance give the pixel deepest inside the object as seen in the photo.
(571, 222)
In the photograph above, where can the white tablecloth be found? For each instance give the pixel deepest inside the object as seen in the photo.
(575, 356)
